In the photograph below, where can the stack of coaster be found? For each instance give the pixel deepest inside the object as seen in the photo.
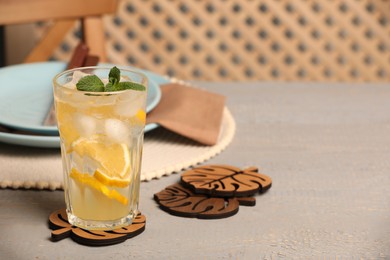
(213, 191)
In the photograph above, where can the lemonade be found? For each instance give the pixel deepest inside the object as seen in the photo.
(101, 125)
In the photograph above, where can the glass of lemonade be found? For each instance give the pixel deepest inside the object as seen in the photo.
(101, 135)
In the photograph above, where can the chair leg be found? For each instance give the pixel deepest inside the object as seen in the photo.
(93, 30)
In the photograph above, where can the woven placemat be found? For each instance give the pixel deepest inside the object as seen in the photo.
(164, 153)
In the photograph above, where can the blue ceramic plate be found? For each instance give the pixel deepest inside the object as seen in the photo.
(26, 95)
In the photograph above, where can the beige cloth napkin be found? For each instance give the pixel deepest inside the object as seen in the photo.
(190, 112)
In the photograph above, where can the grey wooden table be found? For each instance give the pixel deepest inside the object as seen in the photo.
(327, 149)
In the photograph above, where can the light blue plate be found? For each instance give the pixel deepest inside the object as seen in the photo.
(31, 140)
(26, 95)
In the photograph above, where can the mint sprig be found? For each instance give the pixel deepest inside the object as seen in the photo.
(92, 83)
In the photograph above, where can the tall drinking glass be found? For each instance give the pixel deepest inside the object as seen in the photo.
(101, 137)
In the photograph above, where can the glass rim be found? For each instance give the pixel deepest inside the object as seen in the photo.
(97, 93)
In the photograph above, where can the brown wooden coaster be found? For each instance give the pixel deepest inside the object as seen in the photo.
(180, 201)
(225, 181)
(58, 222)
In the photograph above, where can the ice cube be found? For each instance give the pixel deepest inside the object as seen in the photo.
(130, 103)
(77, 162)
(116, 130)
(77, 75)
(84, 164)
(90, 165)
(86, 125)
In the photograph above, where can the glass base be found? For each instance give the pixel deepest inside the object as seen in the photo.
(99, 224)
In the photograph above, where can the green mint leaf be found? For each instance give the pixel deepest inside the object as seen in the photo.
(114, 76)
(131, 85)
(90, 83)
(111, 87)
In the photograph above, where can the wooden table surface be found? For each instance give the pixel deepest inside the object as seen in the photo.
(327, 149)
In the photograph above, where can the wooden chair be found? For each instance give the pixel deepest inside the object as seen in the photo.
(64, 14)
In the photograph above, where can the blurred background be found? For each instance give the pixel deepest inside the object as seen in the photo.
(300, 40)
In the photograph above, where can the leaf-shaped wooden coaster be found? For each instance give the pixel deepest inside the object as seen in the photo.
(225, 180)
(58, 222)
(179, 201)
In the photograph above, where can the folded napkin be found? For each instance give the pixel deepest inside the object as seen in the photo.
(190, 112)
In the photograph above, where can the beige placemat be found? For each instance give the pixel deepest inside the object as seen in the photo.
(164, 154)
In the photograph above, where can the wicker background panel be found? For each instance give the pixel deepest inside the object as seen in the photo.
(346, 40)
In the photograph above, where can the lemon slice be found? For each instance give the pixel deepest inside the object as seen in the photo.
(86, 179)
(114, 160)
(108, 180)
